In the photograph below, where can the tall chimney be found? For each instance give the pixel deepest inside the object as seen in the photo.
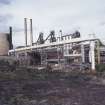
(61, 34)
(25, 31)
(10, 38)
(31, 33)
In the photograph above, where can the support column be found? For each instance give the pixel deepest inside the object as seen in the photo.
(58, 50)
(46, 57)
(90, 56)
(41, 55)
(98, 52)
(83, 53)
(65, 49)
(92, 49)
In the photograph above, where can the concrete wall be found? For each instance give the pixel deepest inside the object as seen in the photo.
(4, 44)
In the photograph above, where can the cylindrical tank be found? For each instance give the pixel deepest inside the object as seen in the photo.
(4, 44)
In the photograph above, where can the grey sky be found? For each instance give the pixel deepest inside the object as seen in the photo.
(88, 16)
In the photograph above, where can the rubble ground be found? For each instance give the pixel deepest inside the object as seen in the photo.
(28, 87)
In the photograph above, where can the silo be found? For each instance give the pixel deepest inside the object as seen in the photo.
(4, 44)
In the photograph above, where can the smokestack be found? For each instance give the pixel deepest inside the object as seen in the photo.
(61, 34)
(31, 33)
(10, 38)
(25, 27)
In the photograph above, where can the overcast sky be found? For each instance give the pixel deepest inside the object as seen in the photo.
(87, 16)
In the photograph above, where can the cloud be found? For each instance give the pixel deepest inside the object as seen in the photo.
(4, 18)
(5, 2)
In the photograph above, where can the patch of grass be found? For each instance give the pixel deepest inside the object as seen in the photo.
(100, 67)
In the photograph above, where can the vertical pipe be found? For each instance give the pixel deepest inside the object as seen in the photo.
(25, 31)
(31, 33)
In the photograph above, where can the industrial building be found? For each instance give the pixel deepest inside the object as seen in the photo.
(69, 50)
(5, 42)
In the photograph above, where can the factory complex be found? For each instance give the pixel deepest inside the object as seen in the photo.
(71, 50)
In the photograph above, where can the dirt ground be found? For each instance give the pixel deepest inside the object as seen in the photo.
(51, 89)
